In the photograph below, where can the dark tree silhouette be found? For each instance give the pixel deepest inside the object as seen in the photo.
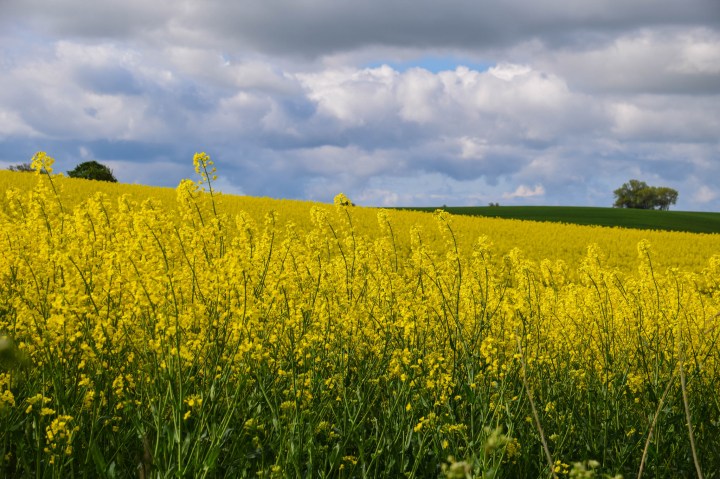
(637, 194)
(23, 167)
(92, 170)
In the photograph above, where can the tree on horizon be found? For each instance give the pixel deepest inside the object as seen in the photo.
(22, 167)
(92, 170)
(638, 194)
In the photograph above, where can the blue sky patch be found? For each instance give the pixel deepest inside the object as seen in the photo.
(433, 64)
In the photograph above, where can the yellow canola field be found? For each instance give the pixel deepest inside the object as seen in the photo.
(215, 334)
(537, 240)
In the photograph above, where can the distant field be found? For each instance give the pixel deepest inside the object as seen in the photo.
(693, 222)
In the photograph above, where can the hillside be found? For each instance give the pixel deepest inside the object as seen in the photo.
(688, 221)
(565, 238)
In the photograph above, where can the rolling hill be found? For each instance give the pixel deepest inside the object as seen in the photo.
(688, 221)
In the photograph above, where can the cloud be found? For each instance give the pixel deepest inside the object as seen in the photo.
(526, 103)
(289, 28)
(227, 187)
(668, 60)
(508, 71)
(705, 194)
(679, 121)
(108, 80)
(523, 191)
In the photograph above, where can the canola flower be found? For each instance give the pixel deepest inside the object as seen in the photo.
(185, 337)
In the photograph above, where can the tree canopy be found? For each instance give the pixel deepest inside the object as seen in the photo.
(637, 194)
(22, 167)
(92, 170)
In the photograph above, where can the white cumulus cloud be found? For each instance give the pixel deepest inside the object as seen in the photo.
(523, 191)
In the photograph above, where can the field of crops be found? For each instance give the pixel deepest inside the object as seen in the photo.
(185, 334)
(690, 221)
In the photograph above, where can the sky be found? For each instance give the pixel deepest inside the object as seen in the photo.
(393, 102)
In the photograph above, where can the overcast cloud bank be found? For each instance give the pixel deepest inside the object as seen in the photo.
(559, 105)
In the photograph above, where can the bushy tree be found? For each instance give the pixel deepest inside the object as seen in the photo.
(637, 194)
(665, 197)
(23, 167)
(92, 170)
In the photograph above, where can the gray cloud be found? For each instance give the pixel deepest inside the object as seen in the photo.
(108, 81)
(323, 27)
(104, 20)
(668, 60)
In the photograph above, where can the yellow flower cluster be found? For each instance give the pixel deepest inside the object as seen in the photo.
(7, 398)
(59, 437)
